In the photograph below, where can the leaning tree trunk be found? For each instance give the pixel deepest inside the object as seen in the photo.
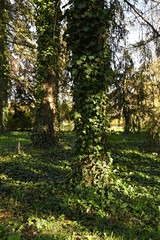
(88, 24)
(45, 127)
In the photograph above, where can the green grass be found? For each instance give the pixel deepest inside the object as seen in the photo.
(37, 200)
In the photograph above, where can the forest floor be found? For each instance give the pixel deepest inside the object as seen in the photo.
(37, 200)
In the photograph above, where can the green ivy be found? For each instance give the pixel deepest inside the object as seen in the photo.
(88, 42)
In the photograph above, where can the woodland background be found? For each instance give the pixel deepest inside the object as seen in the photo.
(79, 119)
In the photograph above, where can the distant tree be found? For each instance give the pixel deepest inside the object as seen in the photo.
(122, 91)
(16, 52)
(149, 110)
(22, 53)
(127, 92)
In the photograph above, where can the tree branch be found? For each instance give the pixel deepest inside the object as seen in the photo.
(143, 43)
(156, 33)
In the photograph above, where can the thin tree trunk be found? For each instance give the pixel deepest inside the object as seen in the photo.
(3, 62)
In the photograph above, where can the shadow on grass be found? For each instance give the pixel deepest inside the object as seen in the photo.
(133, 141)
(35, 186)
(141, 169)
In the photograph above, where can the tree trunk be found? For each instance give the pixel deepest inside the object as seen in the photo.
(3, 62)
(87, 35)
(45, 127)
(126, 119)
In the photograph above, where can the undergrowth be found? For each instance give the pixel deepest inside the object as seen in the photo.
(38, 201)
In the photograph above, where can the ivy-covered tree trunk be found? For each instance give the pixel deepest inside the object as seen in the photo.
(88, 24)
(3, 61)
(45, 128)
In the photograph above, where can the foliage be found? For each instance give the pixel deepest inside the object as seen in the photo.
(17, 54)
(64, 111)
(67, 126)
(153, 126)
(19, 120)
(21, 41)
(129, 97)
(151, 88)
(135, 96)
(38, 202)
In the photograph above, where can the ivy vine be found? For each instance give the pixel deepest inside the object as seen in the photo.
(88, 42)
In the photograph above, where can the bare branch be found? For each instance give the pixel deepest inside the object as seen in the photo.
(156, 33)
(143, 43)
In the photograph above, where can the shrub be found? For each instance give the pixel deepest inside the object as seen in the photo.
(24, 121)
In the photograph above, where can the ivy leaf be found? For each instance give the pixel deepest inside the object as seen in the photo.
(77, 115)
(85, 29)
